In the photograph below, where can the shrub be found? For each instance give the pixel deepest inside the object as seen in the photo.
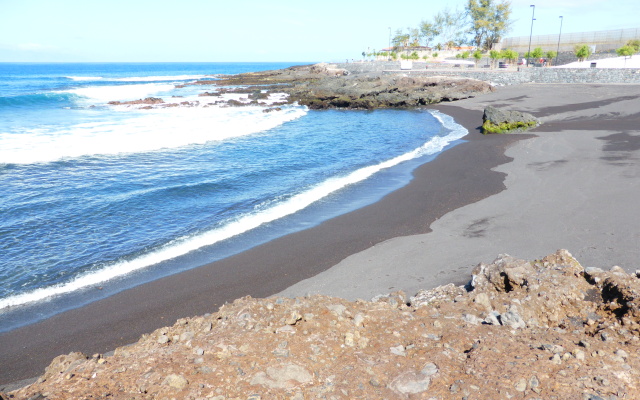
(635, 45)
(582, 52)
(626, 51)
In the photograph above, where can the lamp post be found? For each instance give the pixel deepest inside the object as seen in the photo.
(389, 48)
(559, 34)
(531, 33)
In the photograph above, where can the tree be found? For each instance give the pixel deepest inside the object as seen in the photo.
(489, 21)
(537, 53)
(626, 51)
(428, 32)
(551, 54)
(400, 39)
(510, 55)
(414, 37)
(477, 55)
(582, 52)
(495, 55)
(451, 27)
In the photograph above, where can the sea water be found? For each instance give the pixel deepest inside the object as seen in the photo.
(100, 195)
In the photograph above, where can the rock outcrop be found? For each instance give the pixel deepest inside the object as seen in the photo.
(543, 329)
(497, 120)
(148, 100)
(322, 86)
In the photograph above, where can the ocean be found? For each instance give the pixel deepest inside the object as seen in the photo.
(95, 195)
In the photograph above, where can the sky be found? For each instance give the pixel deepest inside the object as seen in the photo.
(254, 30)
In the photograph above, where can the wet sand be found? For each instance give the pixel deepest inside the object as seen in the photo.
(451, 216)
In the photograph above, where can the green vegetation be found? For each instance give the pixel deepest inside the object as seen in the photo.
(537, 53)
(495, 55)
(489, 127)
(582, 52)
(489, 21)
(477, 55)
(632, 47)
(481, 23)
(626, 51)
(551, 55)
(509, 55)
(635, 44)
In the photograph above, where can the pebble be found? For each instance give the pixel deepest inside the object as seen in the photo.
(349, 339)
(176, 381)
(521, 385)
(398, 350)
(471, 319)
(621, 353)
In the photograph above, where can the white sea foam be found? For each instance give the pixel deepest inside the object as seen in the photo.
(120, 92)
(145, 131)
(159, 78)
(241, 224)
(84, 78)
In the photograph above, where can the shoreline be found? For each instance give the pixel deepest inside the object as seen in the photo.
(440, 199)
(120, 319)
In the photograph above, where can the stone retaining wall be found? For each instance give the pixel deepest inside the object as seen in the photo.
(508, 76)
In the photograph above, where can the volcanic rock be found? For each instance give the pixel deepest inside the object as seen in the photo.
(497, 120)
(558, 332)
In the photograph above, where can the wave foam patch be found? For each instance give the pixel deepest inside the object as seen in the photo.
(148, 131)
(159, 78)
(84, 78)
(242, 224)
(120, 92)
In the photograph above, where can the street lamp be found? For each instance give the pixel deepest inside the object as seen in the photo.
(559, 34)
(531, 34)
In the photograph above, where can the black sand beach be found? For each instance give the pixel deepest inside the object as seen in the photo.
(312, 260)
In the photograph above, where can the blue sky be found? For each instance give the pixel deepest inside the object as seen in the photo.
(251, 30)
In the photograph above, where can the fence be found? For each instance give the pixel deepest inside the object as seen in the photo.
(602, 40)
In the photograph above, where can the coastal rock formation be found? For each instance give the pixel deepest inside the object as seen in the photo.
(148, 100)
(542, 329)
(497, 120)
(369, 92)
(322, 86)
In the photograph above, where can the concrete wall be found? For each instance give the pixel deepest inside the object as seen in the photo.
(508, 76)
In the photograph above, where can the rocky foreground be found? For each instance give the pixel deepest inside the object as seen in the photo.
(544, 329)
(323, 86)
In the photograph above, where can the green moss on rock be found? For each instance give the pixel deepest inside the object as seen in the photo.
(506, 127)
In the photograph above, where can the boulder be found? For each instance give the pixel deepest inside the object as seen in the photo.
(497, 120)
